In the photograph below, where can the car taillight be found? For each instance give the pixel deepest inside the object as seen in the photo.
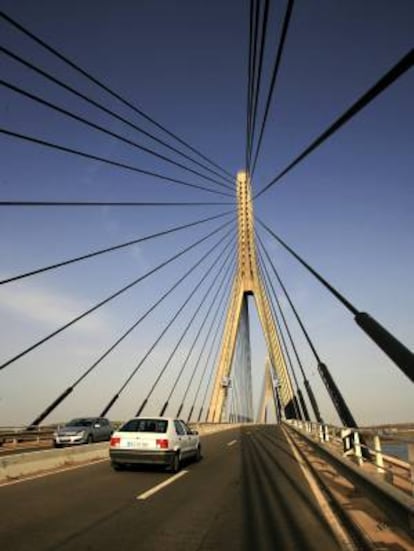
(161, 443)
(115, 441)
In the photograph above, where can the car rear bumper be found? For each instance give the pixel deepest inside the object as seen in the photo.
(141, 457)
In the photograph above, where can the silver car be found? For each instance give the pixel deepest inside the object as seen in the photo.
(83, 430)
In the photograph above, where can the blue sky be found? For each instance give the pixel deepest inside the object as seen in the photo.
(347, 209)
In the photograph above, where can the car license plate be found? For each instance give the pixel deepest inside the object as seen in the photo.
(135, 444)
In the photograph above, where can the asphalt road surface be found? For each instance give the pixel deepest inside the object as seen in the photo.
(247, 493)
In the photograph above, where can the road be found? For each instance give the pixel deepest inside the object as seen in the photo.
(247, 493)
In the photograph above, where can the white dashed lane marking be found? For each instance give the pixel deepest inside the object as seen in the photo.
(162, 485)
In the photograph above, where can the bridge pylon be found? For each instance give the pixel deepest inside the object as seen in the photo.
(270, 393)
(248, 281)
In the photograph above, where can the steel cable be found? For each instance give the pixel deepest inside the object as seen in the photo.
(111, 249)
(400, 68)
(110, 112)
(287, 357)
(188, 325)
(332, 289)
(110, 204)
(216, 343)
(275, 71)
(107, 89)
(289, 333)
(195, 340)
(100, 128)
(218, 319)
(149, 351)
(340, 405)
(254, 16)
(256, 94)
(109, 298)
(120, 339)
(111, 162)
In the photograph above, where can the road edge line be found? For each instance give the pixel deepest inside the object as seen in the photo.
(344, 540)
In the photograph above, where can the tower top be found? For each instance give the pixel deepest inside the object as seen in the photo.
(247, 253)
(242, 176)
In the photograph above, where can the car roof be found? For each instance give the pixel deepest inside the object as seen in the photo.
(154, 418)
(87, 419)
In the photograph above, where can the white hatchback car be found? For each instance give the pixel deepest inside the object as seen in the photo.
(154, 440)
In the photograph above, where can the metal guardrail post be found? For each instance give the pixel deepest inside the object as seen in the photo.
(379, 460)
(411, 462)
(320, 433)
(357, 449)
(326, 433)
(346, 437)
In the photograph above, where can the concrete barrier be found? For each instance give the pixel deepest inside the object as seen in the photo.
(209, 428)
(26, 464)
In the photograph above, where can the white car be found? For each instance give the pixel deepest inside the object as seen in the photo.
(154, 440)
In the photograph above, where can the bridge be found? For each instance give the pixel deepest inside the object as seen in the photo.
(144, 275)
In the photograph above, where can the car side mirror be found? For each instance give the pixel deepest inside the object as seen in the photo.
(194, 432)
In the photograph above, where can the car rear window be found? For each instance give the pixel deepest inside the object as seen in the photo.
(79, 423)
(145, 425)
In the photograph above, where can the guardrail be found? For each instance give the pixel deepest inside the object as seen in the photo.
(364, 447)
(14, 436)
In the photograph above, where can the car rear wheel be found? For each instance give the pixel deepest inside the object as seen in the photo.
(117, 466)
(175, 463)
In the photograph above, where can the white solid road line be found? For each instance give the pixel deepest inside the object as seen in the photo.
(232, 443)
(50, 473)
(159, 487)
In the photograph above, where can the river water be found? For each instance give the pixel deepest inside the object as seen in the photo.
(397, 449)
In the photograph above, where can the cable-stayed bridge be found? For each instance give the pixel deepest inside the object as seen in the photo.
(163, 327)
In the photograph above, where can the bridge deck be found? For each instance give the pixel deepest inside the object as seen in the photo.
(248, 492)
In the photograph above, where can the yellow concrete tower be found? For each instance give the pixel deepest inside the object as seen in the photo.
(248, 281)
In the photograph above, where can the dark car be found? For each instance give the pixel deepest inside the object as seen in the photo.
(83, 430)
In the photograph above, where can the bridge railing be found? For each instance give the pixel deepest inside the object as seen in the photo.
(19, 436)
(365, 447)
